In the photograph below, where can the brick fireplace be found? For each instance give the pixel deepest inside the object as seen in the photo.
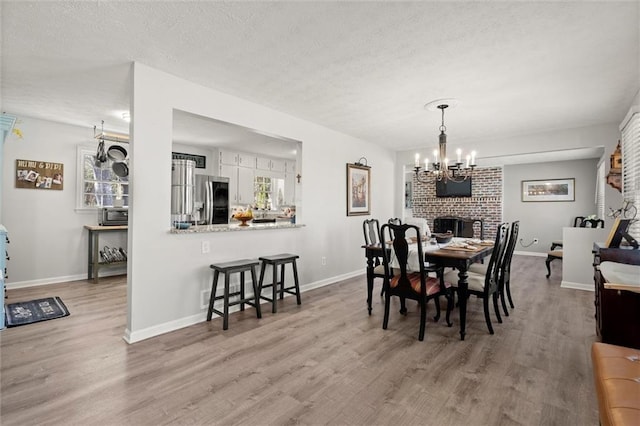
(485, 202)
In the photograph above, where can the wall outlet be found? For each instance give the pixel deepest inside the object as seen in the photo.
(535, 241)
(206, 248)
(324, 261)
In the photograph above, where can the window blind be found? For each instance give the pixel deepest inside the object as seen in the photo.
(600, 188)
(631, 165)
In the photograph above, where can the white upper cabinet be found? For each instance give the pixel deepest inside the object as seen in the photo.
(241, 159)
(270, 164)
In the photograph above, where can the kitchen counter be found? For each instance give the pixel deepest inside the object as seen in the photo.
(236, 227)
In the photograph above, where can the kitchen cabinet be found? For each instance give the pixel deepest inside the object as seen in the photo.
(245, 185)
(241, 159)
(270, 164)
(240, 183)
(290, 183)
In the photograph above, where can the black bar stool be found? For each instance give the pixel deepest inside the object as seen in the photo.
(229, 268)
(275, 261)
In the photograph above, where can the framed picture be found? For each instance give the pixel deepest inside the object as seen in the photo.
(548, 190)
(358, 190)
(35, 174)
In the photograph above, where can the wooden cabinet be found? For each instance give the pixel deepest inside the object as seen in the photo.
(617, 311)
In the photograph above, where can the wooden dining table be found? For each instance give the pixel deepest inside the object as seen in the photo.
(461, 260)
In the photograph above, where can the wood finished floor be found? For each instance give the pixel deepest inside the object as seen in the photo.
(325, 362)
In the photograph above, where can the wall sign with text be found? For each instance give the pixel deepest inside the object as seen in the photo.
(34, 174)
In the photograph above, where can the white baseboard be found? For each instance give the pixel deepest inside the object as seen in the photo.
(530, 253)
(63, 279)
(146, 333)
(577, 286)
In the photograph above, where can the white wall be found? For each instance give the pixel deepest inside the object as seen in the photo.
(167, 272)
(48, 241)
(545, 220)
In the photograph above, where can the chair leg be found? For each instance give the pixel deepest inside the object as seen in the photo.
(274, 303)
(548, 263)
(450, 296)
(437, 303)
(495, 307)
(242, 290)
(504, 304)
(282, 281)
(256, 292)
(387, 302)
(423, 318)
(295, 281)
(212, 299)
(501, 296)
(508, 287)
(403, 306)
(487, 317)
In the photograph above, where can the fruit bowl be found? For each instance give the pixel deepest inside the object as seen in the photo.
(244, 220)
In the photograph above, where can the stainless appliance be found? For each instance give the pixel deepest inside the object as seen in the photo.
(211, 200)
(182, 190)
(113, 216)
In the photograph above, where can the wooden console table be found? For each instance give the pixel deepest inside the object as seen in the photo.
(93, 259)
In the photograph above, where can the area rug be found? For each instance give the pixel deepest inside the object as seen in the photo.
(22, 313)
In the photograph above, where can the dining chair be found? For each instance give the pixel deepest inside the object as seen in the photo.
(406, 275)
(395, 221)
(505, 268)
(371, 229)
(504, 273)
(486, 285)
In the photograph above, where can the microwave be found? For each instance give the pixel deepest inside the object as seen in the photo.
(112, 216)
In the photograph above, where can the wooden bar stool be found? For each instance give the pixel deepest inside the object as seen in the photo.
(228, 268)
(275, 261)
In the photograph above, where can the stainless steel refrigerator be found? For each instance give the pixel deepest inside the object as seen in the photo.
(211, 200)
(182, 189)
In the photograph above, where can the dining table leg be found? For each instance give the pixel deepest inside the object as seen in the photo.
(463, 286)
(369, 281)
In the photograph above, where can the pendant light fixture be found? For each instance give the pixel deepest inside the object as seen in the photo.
(442, 168)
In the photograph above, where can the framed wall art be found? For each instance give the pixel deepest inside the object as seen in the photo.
(33, 174)
(358, 190)
(548, 190)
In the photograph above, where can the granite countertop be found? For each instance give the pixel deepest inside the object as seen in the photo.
(236, 227)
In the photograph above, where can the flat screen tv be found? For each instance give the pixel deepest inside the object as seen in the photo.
(453, 189)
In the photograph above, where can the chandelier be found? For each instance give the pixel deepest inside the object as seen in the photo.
(442, 168)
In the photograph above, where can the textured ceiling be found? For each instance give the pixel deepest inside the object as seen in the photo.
(362, 68)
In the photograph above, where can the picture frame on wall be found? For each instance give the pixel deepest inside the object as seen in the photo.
(548, 190)
(358, 190)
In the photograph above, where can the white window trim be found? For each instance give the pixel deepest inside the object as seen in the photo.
(630, 130)
(81, 150)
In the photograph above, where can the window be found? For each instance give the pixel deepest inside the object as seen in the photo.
(600, 188)
(98, 186)
(631, 164)
(262, 192)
